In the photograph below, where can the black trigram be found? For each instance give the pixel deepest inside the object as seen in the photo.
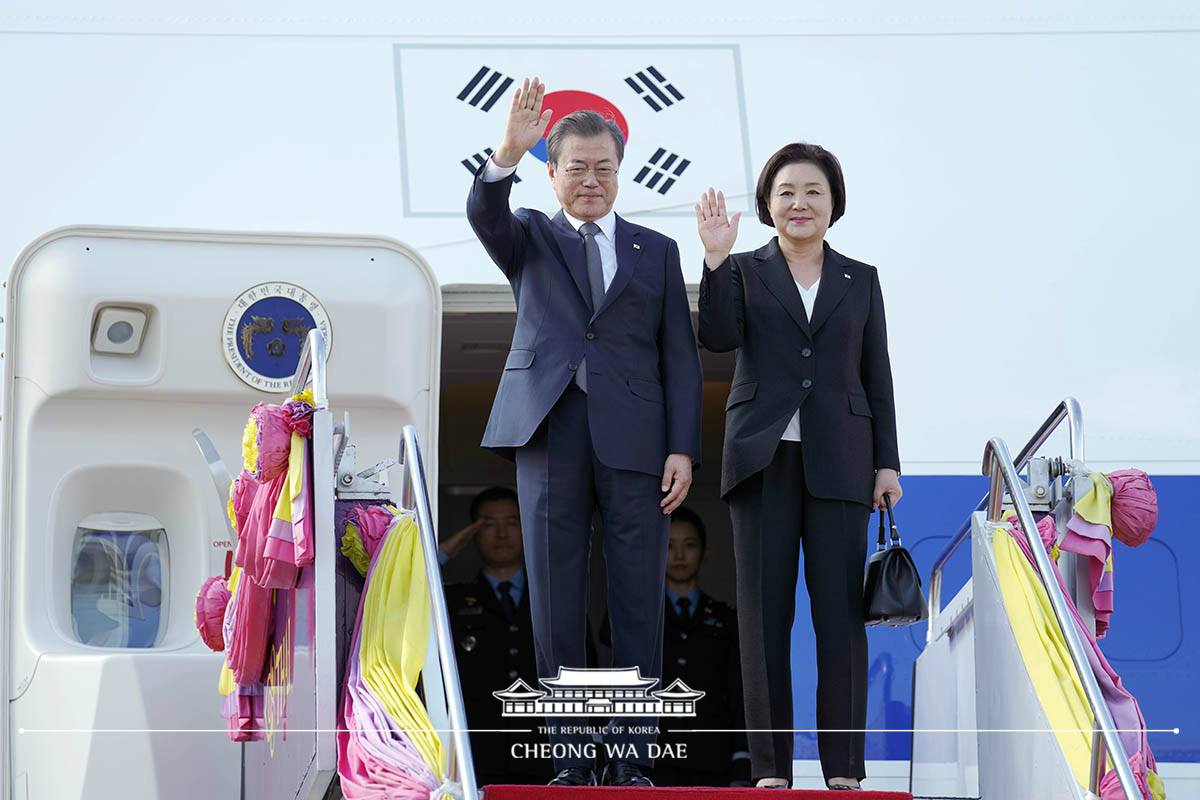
(658, 168)
(473, 163)
(654, 88)
(482, 86)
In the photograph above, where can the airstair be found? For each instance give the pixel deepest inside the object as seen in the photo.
(980, 730)
(305, 766)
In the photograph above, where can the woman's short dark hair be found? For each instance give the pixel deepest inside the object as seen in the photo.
(801, 152)
(584, 124)
(689, 517)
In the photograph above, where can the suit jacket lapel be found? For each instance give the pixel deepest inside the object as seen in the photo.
(628, 253)
(834, 285)
(570, 245)
(778, 278)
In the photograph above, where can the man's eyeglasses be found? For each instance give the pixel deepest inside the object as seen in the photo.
(576, 172)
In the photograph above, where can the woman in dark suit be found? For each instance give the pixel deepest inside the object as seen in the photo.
(810, 448)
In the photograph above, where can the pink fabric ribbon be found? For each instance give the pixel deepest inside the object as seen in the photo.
(1093, 542)
(274, 440)
(243, 711)
(303, 546)
(246, 650)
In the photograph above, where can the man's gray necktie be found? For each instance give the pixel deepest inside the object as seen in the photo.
(595, 268)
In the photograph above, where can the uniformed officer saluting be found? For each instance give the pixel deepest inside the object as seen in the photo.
(493, 636)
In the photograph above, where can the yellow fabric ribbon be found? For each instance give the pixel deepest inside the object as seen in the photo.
(1048, 662)
(1096, 505)
(352, 548)
(1158, 789)
(297, 460)
(1045, 653)
(295, 479)
(230, 510)
(1096, 508)
(395, 633)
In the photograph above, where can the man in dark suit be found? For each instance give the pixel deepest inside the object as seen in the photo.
(599, 403)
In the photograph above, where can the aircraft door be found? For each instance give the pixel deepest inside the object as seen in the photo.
(119, 343)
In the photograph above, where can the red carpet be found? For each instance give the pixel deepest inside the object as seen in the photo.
(675, 793)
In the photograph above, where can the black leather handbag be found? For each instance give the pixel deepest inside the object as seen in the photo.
(892, 587)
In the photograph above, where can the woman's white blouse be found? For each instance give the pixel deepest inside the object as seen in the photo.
(809, 296)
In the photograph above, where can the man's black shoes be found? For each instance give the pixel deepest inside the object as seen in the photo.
(616, 773)
(575, 776)
(624, 773)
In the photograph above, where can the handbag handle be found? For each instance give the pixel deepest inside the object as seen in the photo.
(883, 545)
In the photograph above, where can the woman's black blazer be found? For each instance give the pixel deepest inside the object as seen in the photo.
(834, 368)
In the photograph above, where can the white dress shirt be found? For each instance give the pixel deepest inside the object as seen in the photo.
(605, 240)
(809, 296)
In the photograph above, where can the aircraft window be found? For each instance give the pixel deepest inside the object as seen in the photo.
(118, 580)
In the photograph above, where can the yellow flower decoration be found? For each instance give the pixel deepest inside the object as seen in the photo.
(229, 508)
(250, 446)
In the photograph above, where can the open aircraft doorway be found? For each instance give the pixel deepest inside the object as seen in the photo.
(477, 328)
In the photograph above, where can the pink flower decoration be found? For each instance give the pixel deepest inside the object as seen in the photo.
(211, 601)
(373, 524)
(299, 416)
(1134, 506)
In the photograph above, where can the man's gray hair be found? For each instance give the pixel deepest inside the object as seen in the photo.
(584, 124)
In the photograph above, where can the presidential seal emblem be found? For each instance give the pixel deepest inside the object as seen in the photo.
(264, 332)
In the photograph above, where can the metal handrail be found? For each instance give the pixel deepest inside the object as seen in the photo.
(322, 630)
(314, 344)
(414, 495)
(1069, 410)
(998, 465)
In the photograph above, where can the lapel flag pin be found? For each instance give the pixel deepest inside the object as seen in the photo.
(637, 246)
(846, 276)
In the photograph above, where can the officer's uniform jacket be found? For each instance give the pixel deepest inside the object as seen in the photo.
(492, 653)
